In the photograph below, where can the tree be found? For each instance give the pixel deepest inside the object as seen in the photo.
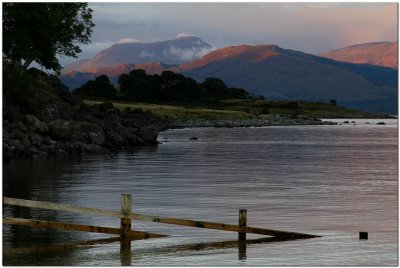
(214, 86)
(41, 31)
(135, 85)
(100, 87)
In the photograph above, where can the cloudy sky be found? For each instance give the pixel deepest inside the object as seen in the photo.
(309, 27)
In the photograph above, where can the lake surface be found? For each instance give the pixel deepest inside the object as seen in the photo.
(332, 181)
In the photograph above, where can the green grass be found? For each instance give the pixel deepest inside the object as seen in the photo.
(182, 113)
(240, 109)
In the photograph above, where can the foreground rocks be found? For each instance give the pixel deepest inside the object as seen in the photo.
(65, 125)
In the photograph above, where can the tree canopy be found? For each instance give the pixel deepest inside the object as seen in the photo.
(42, 31)
(100, 87)
(168, 87)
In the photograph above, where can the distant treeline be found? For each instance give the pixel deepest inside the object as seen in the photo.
(167, 87)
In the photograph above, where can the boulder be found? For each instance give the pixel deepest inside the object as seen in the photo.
(149, 134)
(77, 131)
(36, 139)
(20, 126)
(92, 149)
(111, 119)
(36, 124)
(105, 106)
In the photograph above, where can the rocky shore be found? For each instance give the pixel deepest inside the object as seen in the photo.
(271, 120)
(38, 126)
(42, 118)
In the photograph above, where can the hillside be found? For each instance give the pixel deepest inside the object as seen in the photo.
(378, 53)
(278, 73)
(173, 51)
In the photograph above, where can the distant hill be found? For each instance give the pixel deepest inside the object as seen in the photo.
(378, 53)
(278, 73)
(173, 51)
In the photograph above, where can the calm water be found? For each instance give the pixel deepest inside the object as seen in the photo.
(332, 181)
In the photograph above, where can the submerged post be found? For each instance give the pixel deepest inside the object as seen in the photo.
(126, 208)
(126, 224)
(242, 233)
(242, 224)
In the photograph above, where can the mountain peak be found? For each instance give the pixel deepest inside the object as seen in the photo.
(375, 53)
(174, 51)
(243, 53)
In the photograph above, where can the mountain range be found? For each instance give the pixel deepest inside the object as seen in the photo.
(377, 53)
(267, 70)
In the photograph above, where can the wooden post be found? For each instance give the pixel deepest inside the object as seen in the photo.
(126, 224)
(363, 235)
(126, 208)
(242, 233)
(242, 224)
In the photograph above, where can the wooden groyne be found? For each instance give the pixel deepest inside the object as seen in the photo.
(126, 217)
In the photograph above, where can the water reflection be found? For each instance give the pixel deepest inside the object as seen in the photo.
(328, 180)
(126, 253)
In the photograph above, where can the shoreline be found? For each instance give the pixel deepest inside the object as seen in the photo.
(276, 120)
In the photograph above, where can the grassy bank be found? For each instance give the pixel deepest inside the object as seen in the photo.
(243, 109)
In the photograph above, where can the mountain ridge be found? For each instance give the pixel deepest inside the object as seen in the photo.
(173, 51)
(374, 53)
(279, 73)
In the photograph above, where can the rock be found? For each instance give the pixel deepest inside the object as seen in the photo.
(20, 126)
(105, 106)
(149, 134)
(346, 122)
(17, 134)
(92, 149)
(49, 149)
(111, 119)
(77, 131)
(26, 142)
(60, 129)
(381, 123)
(36, 139)
(47, 140)
(129, 122)
(115, 137)
(36, 124)
(193, 138)
(67, 146)
(31, 151)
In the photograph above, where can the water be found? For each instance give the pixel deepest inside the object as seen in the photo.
(332, 181)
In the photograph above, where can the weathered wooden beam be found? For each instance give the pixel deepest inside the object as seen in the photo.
(221, 226)
(141, 217)
(79, 227)
(60, 207)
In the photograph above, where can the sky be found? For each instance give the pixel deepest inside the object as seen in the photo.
(309, 27)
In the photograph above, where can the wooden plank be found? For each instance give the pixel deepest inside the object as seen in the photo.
(141, 217)
(60, 207)
(78, 227)
(221, 226)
